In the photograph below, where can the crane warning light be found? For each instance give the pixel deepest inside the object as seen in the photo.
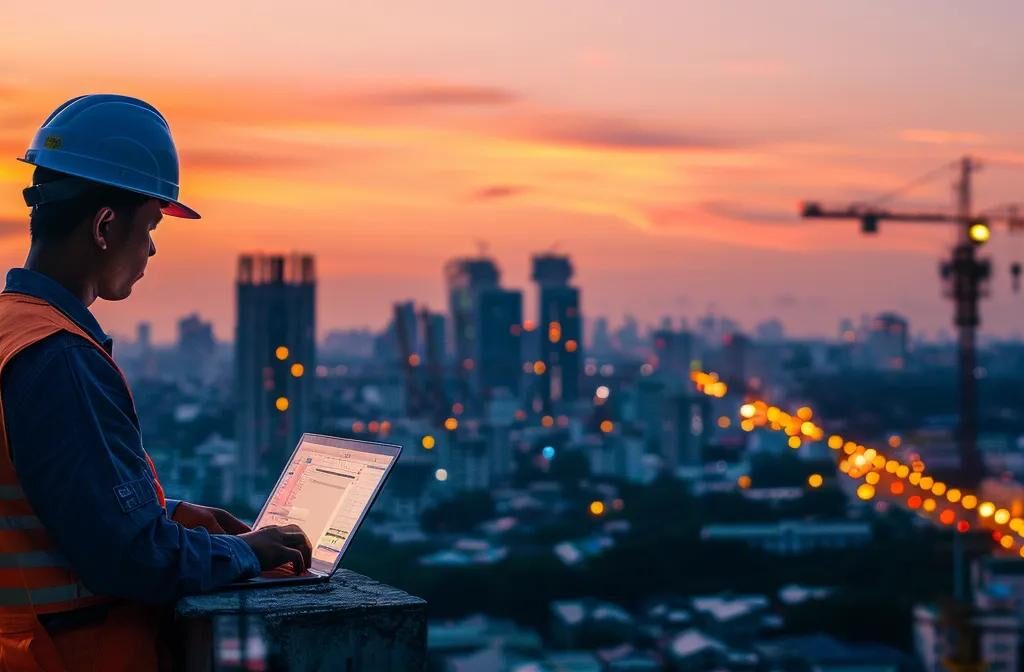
(979, 233)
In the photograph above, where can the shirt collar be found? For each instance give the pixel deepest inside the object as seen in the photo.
(33, 283)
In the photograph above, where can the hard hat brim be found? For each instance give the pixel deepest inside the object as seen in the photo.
(172, 209)
(175, 209)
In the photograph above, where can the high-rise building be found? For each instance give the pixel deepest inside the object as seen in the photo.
(561, 337)
(275, 364)
(601, 338)
(886, 346)
(466, 278)
(432, 336)
(486, 329)
(685, 426)
(143, 336)
(196, 350)
(737, 363)
(674, 350)
(498, 354)
(147, 366)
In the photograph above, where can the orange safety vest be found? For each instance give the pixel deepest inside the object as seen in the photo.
(34, 579)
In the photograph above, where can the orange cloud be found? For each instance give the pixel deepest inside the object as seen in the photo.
(439, 95)
(498, 191)
(931, 136)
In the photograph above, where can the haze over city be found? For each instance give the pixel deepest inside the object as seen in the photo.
(665, 146)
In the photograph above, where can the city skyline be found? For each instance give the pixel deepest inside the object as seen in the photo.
(664, 146)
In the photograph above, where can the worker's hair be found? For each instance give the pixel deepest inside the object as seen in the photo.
(56, 220)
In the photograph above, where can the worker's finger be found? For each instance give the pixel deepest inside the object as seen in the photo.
(307, 552)
(301, 544)
(295, 539)
(298, 561)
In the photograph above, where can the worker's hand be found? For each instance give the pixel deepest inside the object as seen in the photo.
(216, 521)
(276, 545)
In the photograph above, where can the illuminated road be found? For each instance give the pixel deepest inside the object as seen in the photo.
(879, 476)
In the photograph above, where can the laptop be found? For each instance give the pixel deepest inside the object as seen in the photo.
(327, 487)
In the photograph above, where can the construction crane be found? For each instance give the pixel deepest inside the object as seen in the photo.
(965, 276)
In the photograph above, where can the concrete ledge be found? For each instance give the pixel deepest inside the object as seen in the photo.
(350, 623)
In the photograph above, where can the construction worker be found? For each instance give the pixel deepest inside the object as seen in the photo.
(90, 549)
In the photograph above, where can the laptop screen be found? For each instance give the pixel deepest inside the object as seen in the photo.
(326, 489)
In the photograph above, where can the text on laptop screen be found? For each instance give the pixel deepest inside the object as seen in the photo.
(324, 490)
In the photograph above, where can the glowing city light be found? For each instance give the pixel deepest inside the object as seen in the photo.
(603, 392)
(281, 353)
(743, 482)
(747, 410)
(281, 404)
(597, 507)
(979, 232)
(298, 370)
(986, 509)
(441, 474)
(607, 426)
(451, 424)
(554, 332)
(815, 480)
(1002, 517)
(866, 491)
(428, 442)
(548, 452)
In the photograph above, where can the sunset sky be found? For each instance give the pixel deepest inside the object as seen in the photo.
(664, 145)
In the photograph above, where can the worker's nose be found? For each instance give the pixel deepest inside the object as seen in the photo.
(152, 247)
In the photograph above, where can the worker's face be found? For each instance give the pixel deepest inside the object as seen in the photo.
(126, 243)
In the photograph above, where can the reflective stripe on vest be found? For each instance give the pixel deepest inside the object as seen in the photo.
(41, 597)
(11, 492)
(19, 523)
(32, 559)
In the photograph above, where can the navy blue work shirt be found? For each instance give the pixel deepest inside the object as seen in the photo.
(77, 450)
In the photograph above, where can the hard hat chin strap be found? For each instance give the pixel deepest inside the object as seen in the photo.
(58, 190)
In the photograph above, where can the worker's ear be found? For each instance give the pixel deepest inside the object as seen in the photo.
(101, 227)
